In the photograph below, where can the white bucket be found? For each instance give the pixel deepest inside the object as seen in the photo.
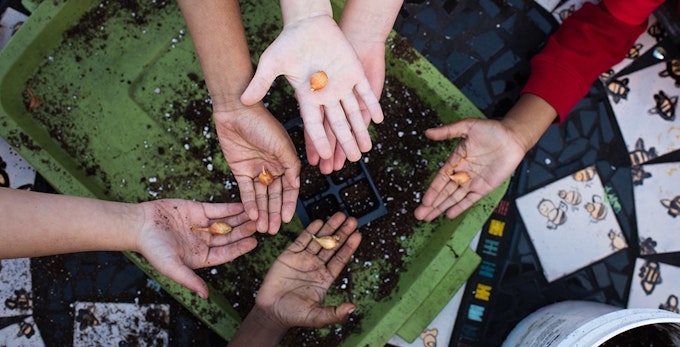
(583, 323)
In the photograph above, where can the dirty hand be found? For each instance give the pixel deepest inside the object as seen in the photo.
(488, 153)
(170, 245)
(295, 286)
(304, 47)
(251, 138)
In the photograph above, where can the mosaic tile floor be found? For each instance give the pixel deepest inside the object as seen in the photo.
(483, 47)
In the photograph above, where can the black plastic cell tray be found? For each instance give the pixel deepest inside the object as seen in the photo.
(322, 195)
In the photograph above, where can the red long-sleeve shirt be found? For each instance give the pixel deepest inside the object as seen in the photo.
(589, 42)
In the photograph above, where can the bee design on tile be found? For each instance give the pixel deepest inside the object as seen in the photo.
(4, 177)
(672, 70)
(673, 206)
(665, 106)
(656, 31)
(86, 318)
(647, 246)
(634, 51)
(618, 241)
(597, 209)
(26, 329)
(557, 215)
(671, 304)
(584, 175)
(21, 300)
(565, 13)
(618, 89)
(429, 337)
(650, 275)
(637, 157)
(571, 197)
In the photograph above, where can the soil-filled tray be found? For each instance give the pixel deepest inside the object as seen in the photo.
(125, 116)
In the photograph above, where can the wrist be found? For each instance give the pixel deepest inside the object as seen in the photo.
(259, 328)
(529, 119)
(293, 11)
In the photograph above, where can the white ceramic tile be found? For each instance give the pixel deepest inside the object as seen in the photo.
(571, 223)
(654, 285)
(657, 207)
(120, 323)
(644, 103)
(14, 168)
(23, 333)
(16, 289)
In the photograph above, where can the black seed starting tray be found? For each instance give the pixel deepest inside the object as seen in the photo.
(350, 190)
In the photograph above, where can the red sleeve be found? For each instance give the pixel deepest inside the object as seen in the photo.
(588, 42)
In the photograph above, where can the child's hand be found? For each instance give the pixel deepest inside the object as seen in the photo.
(304, 47)
(170, 245)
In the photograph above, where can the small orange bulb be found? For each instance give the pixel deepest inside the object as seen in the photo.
(318, 80)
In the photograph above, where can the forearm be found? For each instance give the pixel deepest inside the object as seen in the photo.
(529, 119)
(218, 34)
(258, 329)
(369, 21)
(39, 224)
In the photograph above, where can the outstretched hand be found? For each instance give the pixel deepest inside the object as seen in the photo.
(487, 152)
(296, 284)
(170, 245)
(252, 139)
(303, 48)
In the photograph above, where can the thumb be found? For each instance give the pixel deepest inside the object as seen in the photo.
(334, 314)
(449, 131)
(187, 278)
(260, 83)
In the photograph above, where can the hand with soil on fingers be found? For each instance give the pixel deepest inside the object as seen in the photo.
(294, 288)
(254, 142)
(171, 242)
(311, 42)
(486, 156)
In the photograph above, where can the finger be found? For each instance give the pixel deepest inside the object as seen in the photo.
(246, 187)
(338, 262)
(237, 233)
(446, 193)
(343, 232)
(311, 115)
(442, 179)
(262, 201)
(458, 195)
(274, 190)
(313, 157)
(469, 200)
(303, 241)
(356, 121)
(290, 195)
(222, 210)
(177, 271)
(448, 131)
(338, 122)
(370, 100)
(323, 316)
(265, 75)
(227, 253)
(338, 159)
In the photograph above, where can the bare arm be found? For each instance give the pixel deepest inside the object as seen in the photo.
(40, 224)
(250, 137)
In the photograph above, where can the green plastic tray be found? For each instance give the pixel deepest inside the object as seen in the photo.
(106, 130)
